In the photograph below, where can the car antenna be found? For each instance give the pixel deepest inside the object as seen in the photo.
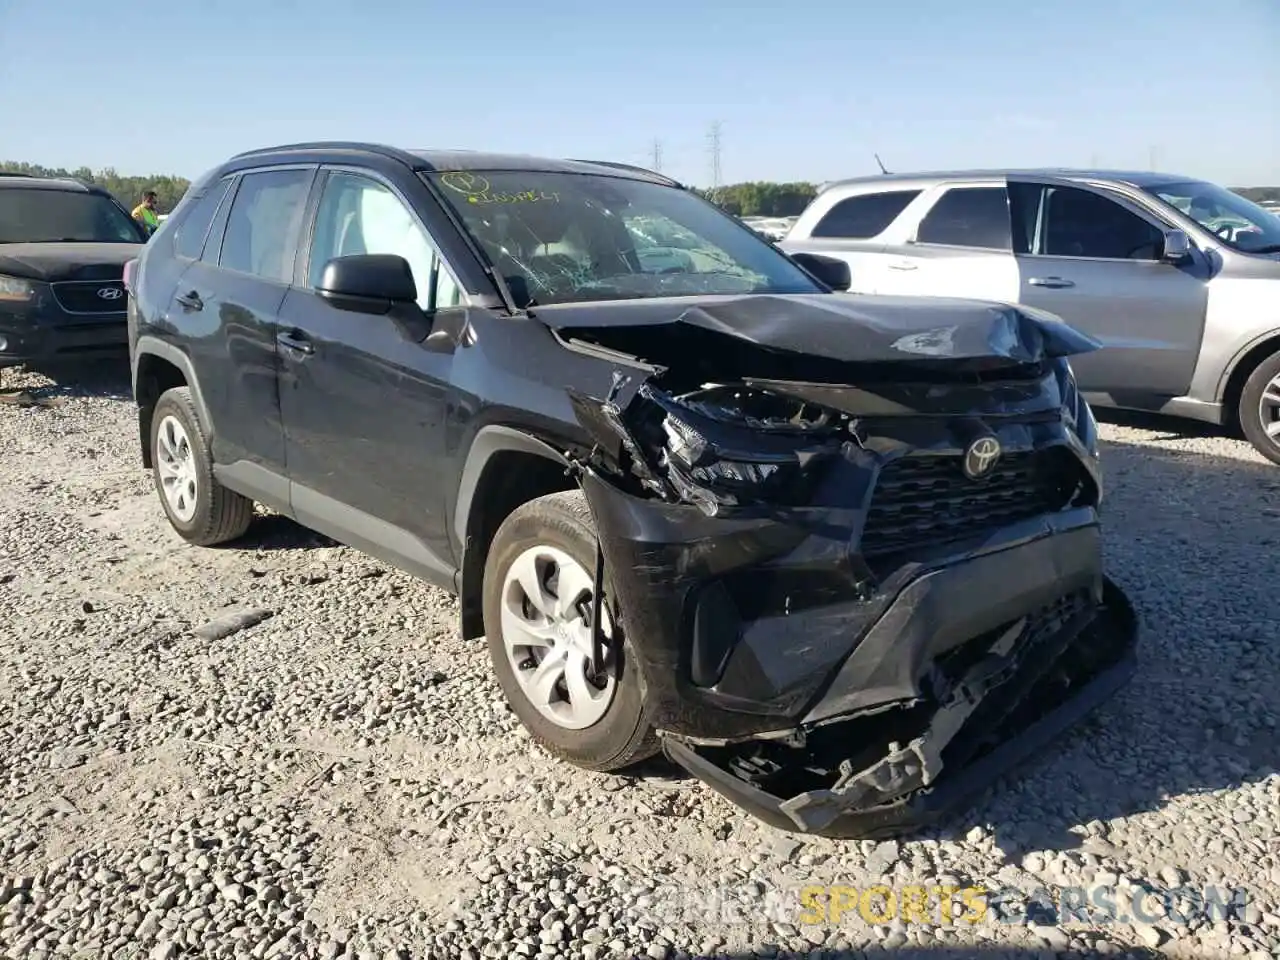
(880, 164)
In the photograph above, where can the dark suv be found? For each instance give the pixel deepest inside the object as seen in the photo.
(838, 555)
(63, 246)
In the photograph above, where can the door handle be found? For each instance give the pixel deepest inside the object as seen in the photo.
(296, 342)
(902, 265)
(190, 301)
(1053, 283)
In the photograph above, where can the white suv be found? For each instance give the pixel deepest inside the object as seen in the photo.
(1178, 278)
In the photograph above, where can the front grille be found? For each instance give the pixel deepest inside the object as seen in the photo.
(923, 501)
(85, 296)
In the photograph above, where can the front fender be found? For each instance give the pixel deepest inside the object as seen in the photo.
(488, 443)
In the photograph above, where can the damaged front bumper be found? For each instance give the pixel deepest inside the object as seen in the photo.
(844, 622)
(824, 711)
(979, 734)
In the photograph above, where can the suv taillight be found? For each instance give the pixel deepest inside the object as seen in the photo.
(130, 272)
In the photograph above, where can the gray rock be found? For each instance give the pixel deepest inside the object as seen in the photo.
(1149, 935)
(231, 623)
(166, 898)
(784, 848)
(148, 928)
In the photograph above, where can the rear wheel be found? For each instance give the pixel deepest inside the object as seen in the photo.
(539, 585)
(1259, 410)
(199, 508)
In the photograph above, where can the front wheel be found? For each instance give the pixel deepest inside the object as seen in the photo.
(539, 583)
(1259, 410)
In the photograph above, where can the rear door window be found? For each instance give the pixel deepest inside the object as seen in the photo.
(969, 217)
(262, 227)
(864, 216)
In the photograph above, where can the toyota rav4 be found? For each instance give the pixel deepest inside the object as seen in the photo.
(839, 556)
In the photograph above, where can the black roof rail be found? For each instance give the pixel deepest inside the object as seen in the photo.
(391, 153)
(46, 178)
(634, 168)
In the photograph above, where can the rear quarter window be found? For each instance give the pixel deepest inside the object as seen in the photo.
(864, 216)
(975, 217)
(193, 228)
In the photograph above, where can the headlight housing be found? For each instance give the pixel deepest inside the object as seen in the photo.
(16, 290)
(726, 446)
(1077, 411)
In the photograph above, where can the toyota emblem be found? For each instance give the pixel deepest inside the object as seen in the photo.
(980, 459)
(110, 293)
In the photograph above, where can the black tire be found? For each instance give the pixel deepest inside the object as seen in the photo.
(623, 736)
(220, 514)
(1250, 412)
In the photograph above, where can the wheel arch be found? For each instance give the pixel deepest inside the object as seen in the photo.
(505, 468)
(1245, 362)
(159, 366)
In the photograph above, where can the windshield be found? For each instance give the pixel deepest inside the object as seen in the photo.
(50, 216)
(571, 237)
(1240, 223)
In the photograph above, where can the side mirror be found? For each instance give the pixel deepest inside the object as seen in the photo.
(1177, 247)
(374, 283)
(829, 270)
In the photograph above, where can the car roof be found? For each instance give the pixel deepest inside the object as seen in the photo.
(1133, 178)
(438, 160)
(22, 181)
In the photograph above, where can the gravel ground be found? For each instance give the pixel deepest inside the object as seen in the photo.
(343, 778)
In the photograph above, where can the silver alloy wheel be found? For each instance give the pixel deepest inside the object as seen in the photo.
(177, 468)
(546, 631)
(1269, 410)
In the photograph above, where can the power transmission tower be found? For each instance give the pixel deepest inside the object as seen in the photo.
(657, 156)
(713, 141)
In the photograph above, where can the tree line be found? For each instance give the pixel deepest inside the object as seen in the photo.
(754, 198)
(762, 198)
(127, 189)
(1258, 194)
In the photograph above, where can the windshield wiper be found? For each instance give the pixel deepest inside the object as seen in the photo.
(1269, 248)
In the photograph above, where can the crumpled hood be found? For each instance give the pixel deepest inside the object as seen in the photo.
(66, 261)
(846, 328)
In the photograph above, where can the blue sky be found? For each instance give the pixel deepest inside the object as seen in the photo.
(802, 91)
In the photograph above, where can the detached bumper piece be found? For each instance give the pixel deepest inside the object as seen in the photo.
(997, 701)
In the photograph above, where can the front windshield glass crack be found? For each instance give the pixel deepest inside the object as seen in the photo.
(575, 237)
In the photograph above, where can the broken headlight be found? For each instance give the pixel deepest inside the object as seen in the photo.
(725, 446)
(1077, 410)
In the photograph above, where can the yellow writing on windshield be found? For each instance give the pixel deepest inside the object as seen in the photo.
(524, 196)
(477, 189)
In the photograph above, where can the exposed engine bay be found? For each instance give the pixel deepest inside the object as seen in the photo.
(858, 596)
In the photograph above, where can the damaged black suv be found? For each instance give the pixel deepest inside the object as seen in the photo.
(838, 556)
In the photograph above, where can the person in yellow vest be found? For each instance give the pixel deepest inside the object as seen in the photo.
(145, 213)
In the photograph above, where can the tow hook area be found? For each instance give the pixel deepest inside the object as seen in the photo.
(856, 776)
(918, 764)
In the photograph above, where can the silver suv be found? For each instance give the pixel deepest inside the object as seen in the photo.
(1179, 279)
